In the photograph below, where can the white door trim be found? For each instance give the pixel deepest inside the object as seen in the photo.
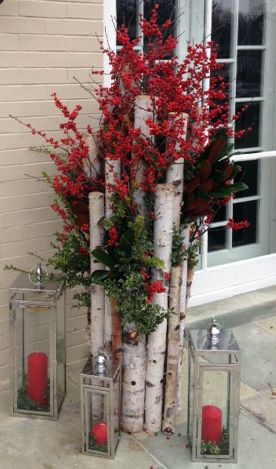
(225, 281)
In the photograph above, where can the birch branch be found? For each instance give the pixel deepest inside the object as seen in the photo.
(163, 228)
(143, 111)
(133, 385)
(112, 175)
(96, 212)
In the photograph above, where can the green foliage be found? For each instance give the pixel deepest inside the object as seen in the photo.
(25, 403)
(94, 446)
(178, 254)
(222, 448)
(193, 253)
(125, 261)
(130, 292)
(213, 177)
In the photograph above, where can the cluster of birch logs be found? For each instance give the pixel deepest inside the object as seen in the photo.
(151, 365)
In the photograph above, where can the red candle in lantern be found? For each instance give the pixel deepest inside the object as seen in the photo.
(37, 377)
(211, 427)
(99, 433)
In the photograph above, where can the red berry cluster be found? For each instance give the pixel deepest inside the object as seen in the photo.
(236, 226)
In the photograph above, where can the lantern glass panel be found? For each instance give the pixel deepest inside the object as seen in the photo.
(37, 347)
(96, 421)
(215, 406)
(213, 400)
(33, 373)
(191, 395)
(61, 352)
(116, 409)
(100, 407)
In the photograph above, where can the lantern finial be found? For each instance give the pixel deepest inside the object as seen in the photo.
(214, 331)
(38, 275)
(101, 360)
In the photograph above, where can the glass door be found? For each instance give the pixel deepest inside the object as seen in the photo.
(242, 31)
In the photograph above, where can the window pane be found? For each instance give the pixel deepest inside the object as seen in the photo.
(225, 72)
(216, 239)
(249, 118)
(250, 170)
(166, 9)
(249, 73)
(220, 215)
(251, 22)
(221, 26)
(245, 211)
(126, 14)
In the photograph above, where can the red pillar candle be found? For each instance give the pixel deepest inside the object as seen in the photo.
(37, 377)
(99, 433)
(211, 427)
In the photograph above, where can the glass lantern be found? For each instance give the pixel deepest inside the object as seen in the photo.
(213, 395)
(100, 406)
(37, 346)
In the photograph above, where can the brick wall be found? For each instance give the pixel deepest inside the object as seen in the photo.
(43, 45)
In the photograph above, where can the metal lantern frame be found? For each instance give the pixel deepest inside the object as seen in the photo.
(50, 298)
(218, 354)
(101, 381)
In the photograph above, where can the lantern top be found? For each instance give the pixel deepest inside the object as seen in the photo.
(101, 370)
(23, 290)
(202, 342)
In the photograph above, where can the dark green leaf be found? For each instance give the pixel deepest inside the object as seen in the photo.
(227, 190)
(103, 257)
(99, 275)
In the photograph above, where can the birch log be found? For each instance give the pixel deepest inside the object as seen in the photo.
(96, 212)
(185, 235)
(112, 175)
(190, 276)
(156, 347)
(117, 347)
(92, 165)
(175, 176)
(143, 111)
(172, 377)
(133, 384)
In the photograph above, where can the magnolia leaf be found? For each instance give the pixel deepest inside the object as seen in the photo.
(204, 171)
(126, 242)
(227, 190)
(99, 275)
(103, 257)
(215, 150)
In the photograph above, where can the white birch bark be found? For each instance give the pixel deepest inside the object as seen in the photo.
(183, 291)
(156, 347)
(96, 211)
(175, 175)
(172, 378)
(143, 111)
(133, 383)
(112, 175)
(92, 165)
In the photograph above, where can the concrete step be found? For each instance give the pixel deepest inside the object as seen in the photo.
(235, 311)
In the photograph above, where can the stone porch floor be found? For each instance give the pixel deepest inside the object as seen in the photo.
(38, 444)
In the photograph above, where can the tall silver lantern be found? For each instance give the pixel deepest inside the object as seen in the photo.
(37, 345)
(100, 406)
(213, 395)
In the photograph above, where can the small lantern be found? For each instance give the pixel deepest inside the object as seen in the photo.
(213, 395)
(100, 406)
(37, 345)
